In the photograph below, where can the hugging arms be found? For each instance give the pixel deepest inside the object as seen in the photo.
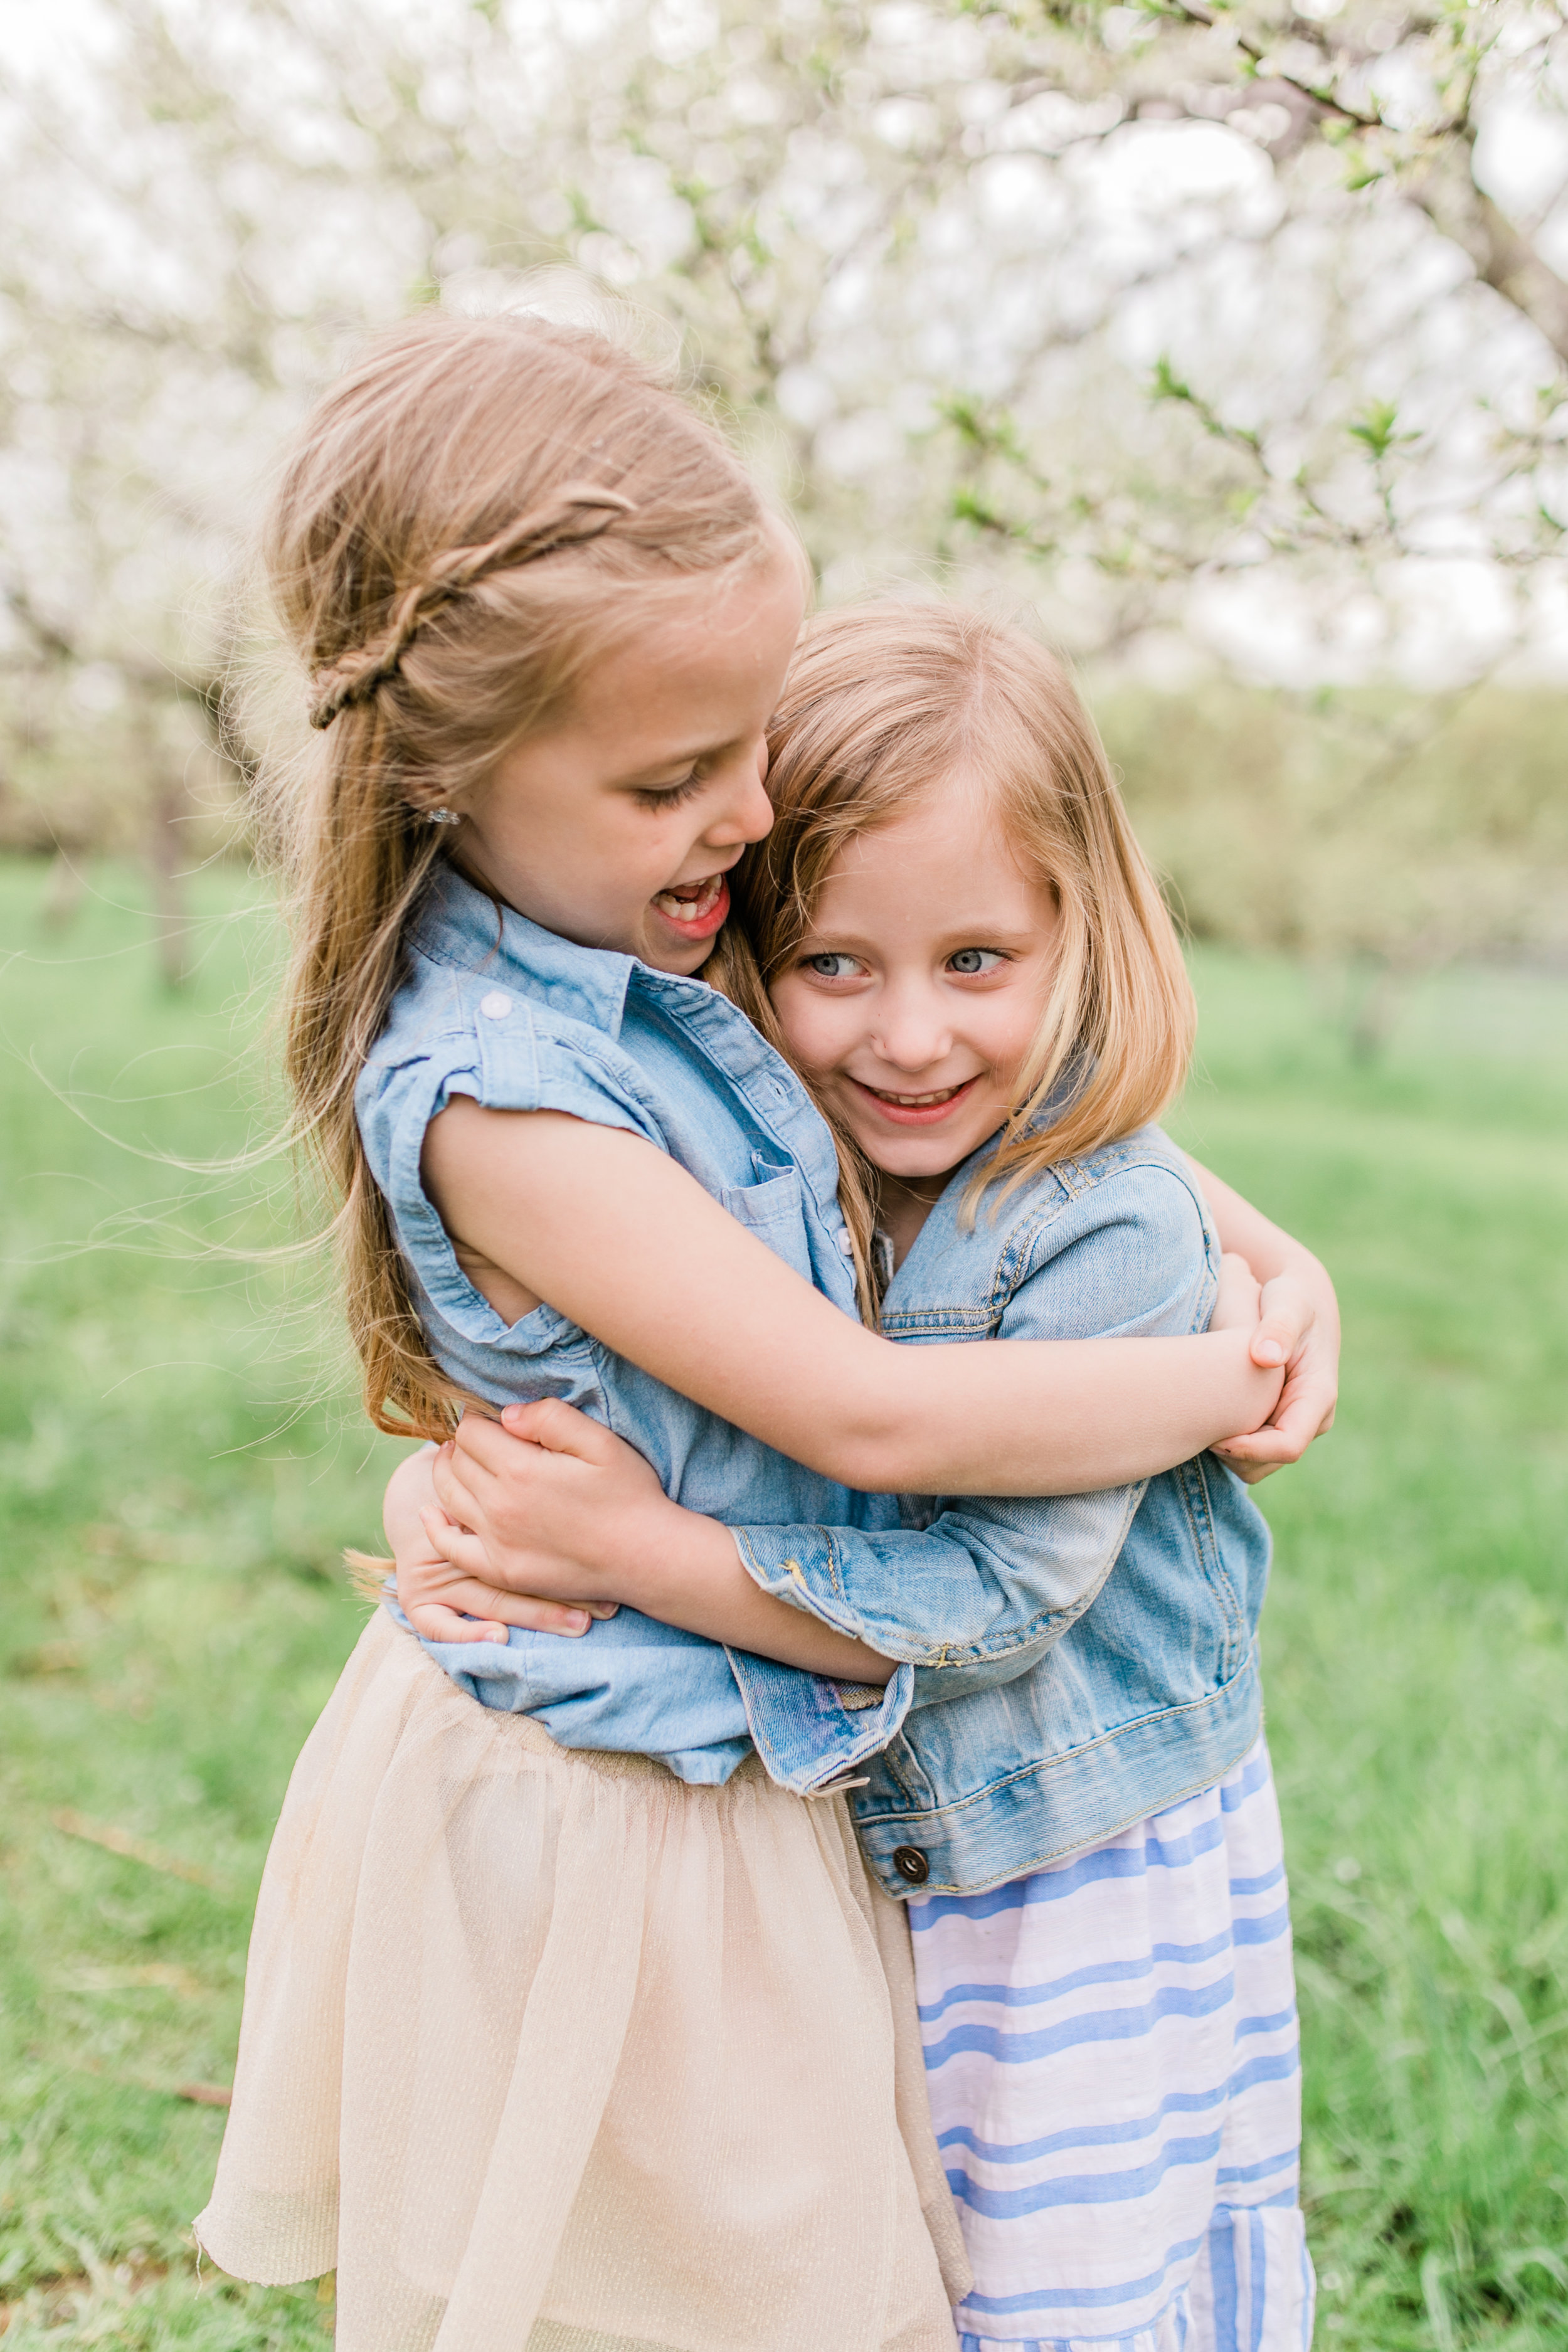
(561, 1518)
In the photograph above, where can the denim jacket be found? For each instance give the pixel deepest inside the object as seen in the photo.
(493, 1006)
(1080, 1661)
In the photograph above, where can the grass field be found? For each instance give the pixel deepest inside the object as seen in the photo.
(179, 1479)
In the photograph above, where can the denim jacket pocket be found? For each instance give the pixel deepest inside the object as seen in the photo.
(773, 1211)
(899, 1764)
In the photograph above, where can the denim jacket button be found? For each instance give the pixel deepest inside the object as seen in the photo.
(910, 1864)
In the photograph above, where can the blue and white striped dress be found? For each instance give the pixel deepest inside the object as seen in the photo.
(1112, 2054)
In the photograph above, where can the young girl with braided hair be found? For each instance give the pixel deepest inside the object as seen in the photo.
(568, 2026)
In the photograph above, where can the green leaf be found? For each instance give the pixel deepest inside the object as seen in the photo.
(583, 218)
(1168, 385)
(963, 412)
(968, 505)
(1378, 428)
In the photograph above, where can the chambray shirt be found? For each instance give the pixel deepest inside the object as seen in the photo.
(493, 1007)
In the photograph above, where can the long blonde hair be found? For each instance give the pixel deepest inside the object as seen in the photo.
(473, 514)
(882, 701)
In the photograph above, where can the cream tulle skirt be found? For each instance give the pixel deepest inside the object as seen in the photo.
(549, 2050)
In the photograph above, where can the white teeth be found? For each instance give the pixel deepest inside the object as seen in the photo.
(688, 910)
(915, 1102)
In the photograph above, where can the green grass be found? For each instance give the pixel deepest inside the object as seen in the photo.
(1416, 1638)
(174, 1619)
(173, 1615)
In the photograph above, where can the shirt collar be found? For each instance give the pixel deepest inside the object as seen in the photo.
(460, 925)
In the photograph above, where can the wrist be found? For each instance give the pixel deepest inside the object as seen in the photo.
(664, 1543)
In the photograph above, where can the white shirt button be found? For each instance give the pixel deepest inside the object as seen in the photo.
(844, 1243)
(496, 1005)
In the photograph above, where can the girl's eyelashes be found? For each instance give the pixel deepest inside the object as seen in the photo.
(831, 966)
(971, 961)
(667, 797)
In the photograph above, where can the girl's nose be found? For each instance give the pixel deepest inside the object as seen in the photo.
(911, 1036)
(746, 813)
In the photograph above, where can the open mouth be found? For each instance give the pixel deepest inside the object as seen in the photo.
(918, 1111)
(695, 909)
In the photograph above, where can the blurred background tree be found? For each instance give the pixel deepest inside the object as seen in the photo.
(1233, 342)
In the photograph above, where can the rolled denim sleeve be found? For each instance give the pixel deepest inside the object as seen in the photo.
(992, 1581)
(812, 1733)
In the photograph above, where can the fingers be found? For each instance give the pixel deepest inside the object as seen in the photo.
(1286, 1317)
(472, 1459)
(1265, 1444)
(521, 1609)
(560, 1428)
(1285, 1439)
(464, 1488)
(1252, 1474)
(445, 1604)
(482, 1443)
(1277, 1340)
(433, 1621)
(1239, 1453)
(428, 1596)
(1236, 1304)
(485, 1615)
(548, 1422)
(466, 1556)
(467, 1585)
(1299, 1419)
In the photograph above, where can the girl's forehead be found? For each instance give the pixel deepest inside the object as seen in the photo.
(951, 815)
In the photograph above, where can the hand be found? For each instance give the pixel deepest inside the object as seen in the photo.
(1299, 1326)
(549, 1502)
(1235, 1306)
(442, 1602)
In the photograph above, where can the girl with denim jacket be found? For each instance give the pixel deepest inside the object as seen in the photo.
(547, 2044)
(1078, 1804)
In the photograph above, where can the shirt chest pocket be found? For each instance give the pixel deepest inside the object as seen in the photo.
(775, 1211)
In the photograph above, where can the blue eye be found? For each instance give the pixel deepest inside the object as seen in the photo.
(832, 967)
(970, 961)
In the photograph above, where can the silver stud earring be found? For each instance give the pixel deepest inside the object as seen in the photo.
(443, 816)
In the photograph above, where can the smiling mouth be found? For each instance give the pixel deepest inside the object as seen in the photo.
(695, 909)
(921, 1109)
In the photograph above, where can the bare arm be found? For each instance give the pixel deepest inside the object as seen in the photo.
(617, 1236)
(1307, 1403)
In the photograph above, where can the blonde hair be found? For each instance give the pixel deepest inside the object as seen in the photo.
(882, 701)
(474, 513)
